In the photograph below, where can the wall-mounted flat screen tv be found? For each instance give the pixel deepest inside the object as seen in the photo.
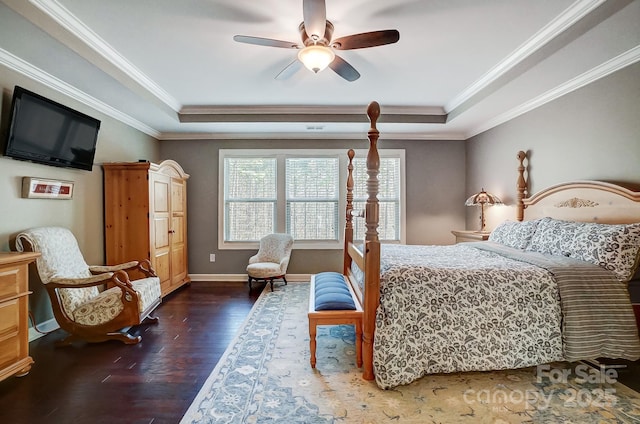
(44, 131)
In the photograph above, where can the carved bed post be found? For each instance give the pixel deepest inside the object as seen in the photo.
(372, 245)
(521, 186)
(348, 229)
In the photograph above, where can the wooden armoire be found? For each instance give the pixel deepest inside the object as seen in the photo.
(145, 215)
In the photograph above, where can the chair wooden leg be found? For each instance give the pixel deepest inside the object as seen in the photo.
(285, 280)
(150, 320)
(271, 281)
(125, 338)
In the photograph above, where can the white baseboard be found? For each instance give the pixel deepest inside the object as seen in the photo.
(241, 278)
(45, 326)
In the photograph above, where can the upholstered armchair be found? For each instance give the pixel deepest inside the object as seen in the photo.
(79, 305)
(272, 259)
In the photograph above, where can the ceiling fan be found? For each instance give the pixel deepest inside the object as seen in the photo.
(317, 47)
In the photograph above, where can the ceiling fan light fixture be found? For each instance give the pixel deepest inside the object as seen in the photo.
(316, 57)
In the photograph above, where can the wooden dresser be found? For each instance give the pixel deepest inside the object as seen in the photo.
(14, 313)
(145, 214)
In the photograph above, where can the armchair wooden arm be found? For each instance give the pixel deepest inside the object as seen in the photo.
(143, 266)
(74, 283)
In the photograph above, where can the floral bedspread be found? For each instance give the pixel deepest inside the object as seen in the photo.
(458, 308)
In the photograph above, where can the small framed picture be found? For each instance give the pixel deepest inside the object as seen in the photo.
(41, 188)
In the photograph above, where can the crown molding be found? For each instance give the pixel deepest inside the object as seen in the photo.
(621, 61)
(557, 26)
(27, 69)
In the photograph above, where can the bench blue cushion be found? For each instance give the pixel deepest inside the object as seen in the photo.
(332, 293)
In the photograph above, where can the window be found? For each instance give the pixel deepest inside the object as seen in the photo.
(388, 197)
(250, 191)
(303, 193)
(313, 195)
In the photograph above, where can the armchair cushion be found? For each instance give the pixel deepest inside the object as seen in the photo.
(100, 309)
(148, 290)
(264, 270)
(107, 305)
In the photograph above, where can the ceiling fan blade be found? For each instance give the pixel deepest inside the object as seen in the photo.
(269, 42)
(289, 70)
(366, 39)
(315, 18)
(342, 68)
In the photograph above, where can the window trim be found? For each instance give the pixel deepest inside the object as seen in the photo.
(280, 155)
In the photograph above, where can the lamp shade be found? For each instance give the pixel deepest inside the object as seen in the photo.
(483, 198)
(316, 57)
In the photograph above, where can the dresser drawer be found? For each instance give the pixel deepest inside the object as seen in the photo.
(9, 332)
(10, 282)
(9, 318)
(9, 351)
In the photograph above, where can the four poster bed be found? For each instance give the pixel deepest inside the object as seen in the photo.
(548, 288)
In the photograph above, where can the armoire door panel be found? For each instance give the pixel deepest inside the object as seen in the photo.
(177, 197)
(160, 195)
(177, 228)
(178, 258)
(161, 232)
(162, 266)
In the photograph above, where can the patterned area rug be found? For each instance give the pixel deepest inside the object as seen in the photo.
(265, 377)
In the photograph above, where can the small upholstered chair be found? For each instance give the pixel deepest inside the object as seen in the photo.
(272, 259)
(79, 306)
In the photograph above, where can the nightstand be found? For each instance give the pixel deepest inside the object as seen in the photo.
(464, 236)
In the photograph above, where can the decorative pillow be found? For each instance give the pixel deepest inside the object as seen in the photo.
(611, 246)
(514, 234)
(555, 237)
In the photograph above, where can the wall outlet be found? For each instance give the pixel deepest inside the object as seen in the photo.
(212, 257)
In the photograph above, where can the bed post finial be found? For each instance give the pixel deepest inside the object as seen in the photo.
(373, 111)
(521, 186)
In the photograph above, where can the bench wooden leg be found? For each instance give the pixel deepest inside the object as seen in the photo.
(358, 326)
(312, 342)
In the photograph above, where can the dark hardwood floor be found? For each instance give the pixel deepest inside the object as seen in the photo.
(154, 381)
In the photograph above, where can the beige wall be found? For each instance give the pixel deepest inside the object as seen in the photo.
(84, 213)
(592, 133)
(435, 196)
